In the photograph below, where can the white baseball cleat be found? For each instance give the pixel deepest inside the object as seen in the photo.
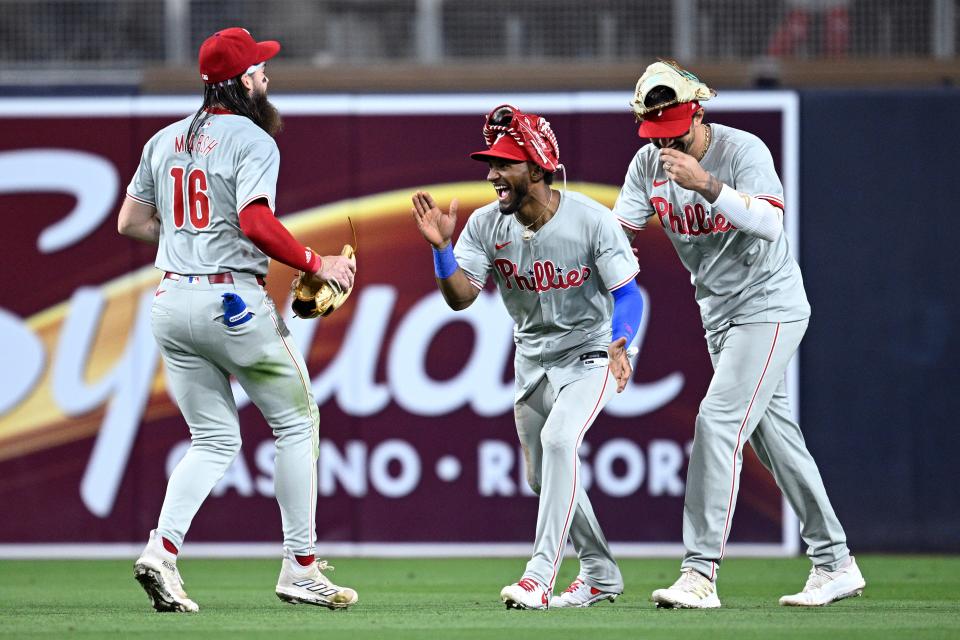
(580, 594)
(156, 571)
(307, 585)
(824, 587)
(691, 591)
(526, 594)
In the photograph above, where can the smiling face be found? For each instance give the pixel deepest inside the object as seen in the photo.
(511, 180)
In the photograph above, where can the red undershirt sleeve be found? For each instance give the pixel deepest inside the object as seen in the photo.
(270, 236)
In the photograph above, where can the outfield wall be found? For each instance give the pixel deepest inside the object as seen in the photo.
(417, 440)
(881, 385)
(418, 452)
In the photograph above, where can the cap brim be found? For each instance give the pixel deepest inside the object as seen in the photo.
(669, 122)
(663, 129)
(499, 154)
(266, 50)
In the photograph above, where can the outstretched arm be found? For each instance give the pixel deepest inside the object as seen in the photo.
(437, 227)
(270, 236)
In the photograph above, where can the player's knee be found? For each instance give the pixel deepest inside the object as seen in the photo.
(716, 408)
(295, 431)
(231, 446)
(557, 441)
(712, 406)
(294, 420)
(223, 444)
(712, 426)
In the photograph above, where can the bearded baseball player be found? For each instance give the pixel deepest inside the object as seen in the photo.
(205, 192)
(565, 273)
(718, 197)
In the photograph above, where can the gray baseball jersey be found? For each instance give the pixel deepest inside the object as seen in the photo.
(555, 285)
(755, 311)
(199, 196)
(738, 278)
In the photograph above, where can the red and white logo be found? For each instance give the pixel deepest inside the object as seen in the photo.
(542, 276)
(695, 221)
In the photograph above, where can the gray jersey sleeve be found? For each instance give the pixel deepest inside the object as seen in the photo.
(257, 171)
(633, 207)
(471, 254)
(614, 257)
(755, 174)
(142, 187)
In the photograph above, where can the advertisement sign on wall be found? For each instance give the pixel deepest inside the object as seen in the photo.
(418, 451)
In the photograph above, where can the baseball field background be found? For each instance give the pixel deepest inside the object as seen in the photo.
(422, 502)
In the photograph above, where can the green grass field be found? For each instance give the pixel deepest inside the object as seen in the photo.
(441, 599)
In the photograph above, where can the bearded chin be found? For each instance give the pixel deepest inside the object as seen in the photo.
(520, 193)
(265, 115)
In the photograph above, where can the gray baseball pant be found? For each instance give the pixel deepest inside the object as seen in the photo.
(551, 430)
(200, 353)
(747, 401)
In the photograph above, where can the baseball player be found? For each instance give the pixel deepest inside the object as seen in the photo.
(205, 191)
(718, 197)
(565, 273)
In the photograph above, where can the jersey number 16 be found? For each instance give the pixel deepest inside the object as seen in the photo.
(196, 196)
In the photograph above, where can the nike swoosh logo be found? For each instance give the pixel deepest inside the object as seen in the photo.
(659, 183)
(501, 246)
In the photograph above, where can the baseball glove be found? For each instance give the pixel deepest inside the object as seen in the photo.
(309, 301)
(530, 131)
(667, 73)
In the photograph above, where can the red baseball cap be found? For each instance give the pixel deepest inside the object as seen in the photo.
(230, 52)
(668, 122)
(505, 148)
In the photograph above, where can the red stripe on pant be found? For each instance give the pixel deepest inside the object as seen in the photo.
(306, 390)
(736, 450)
(576, 466)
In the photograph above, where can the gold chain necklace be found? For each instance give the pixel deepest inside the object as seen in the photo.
(706, 144)
(528, 231)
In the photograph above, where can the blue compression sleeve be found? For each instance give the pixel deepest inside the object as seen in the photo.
(444, 262)
(627, 311)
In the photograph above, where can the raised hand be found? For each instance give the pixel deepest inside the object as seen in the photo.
(682, 168)
(686, 172)
(435, 226)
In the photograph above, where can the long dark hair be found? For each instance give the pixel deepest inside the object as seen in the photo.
(234, 97)
(660, 94)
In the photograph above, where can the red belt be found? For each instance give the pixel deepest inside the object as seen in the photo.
(213, 278)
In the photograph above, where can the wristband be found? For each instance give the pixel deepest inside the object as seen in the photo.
(444, 262)
(316, 262)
